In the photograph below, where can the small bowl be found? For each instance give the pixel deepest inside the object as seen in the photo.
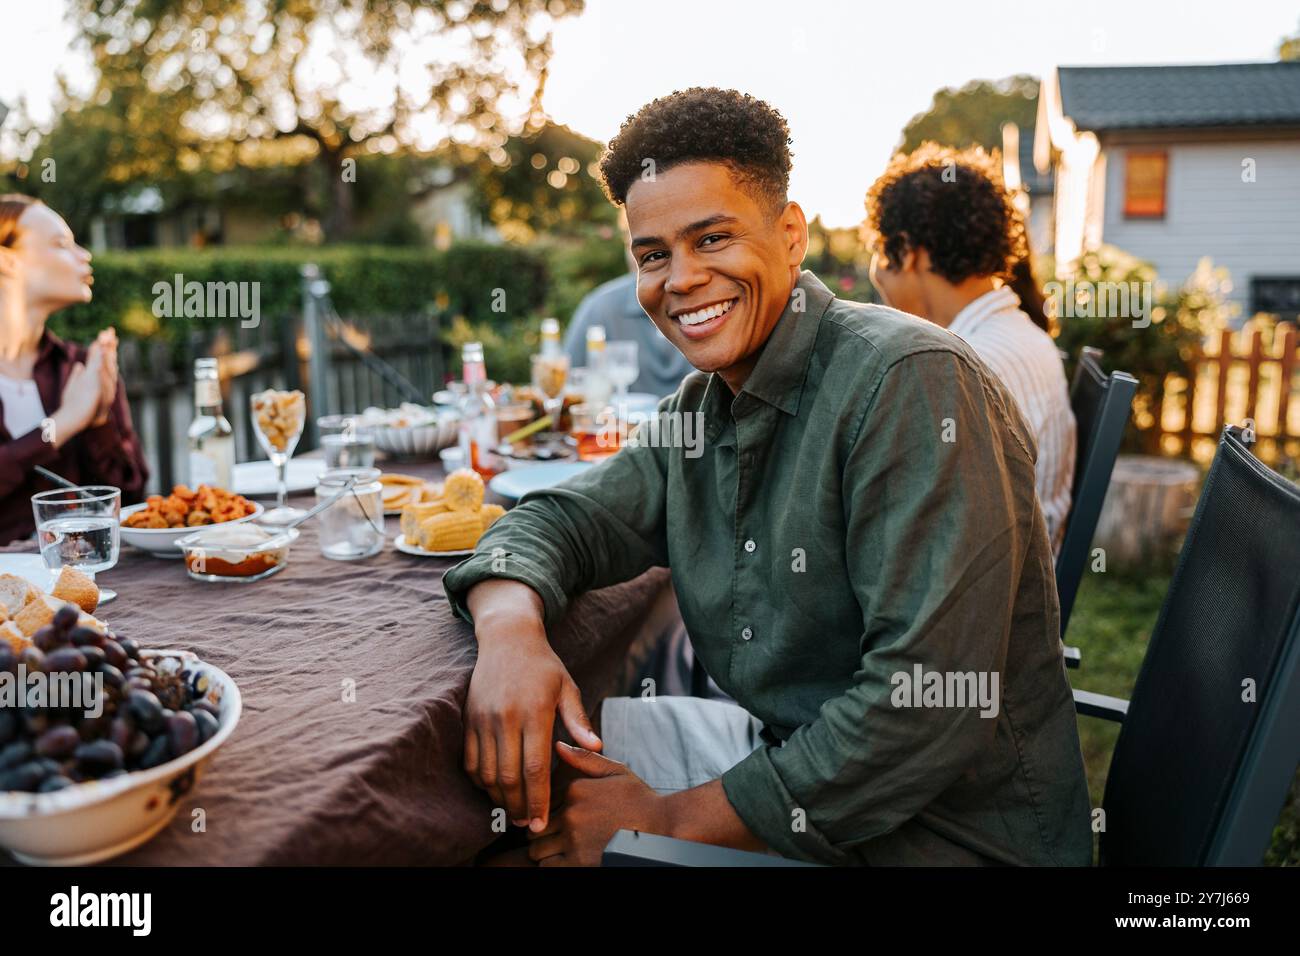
(236, 564)
(417, 441)
(93, 821)
(162, 542)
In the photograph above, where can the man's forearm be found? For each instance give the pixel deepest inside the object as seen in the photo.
(705, 815)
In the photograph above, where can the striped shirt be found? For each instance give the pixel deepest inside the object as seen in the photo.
(1025, 358)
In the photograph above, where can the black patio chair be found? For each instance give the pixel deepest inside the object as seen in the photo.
(1101, 405)
(1211, 739)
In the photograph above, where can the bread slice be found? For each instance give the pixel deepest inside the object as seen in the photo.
(13, 593)
(37, 614)
(15, 638)
(77, 587)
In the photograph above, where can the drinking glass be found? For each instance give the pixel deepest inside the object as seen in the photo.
(80, 527)
(278, 418)
(621, 365)
(549, 375)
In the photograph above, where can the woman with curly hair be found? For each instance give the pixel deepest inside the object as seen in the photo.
(949, 245)
(62, 405)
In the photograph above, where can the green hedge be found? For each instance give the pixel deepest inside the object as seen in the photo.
(364, 280)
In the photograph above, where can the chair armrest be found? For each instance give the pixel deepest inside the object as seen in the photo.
(1099, 705)
(1073, 657)
(633, 848)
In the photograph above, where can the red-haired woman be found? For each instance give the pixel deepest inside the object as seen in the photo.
(62, 405)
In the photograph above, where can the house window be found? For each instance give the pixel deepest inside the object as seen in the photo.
(1279, 295)
(1144, 185)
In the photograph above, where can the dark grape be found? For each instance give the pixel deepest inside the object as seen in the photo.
(65, 660)
(8, 725)
(48, 638)
(35, 722)
(112, 676)
(57, 742)
(55, 782)
(139, 743)
(159, 752)
(182, 732)
(208, 706)
(65, 618)
(88, 637)
(94, 656)
(128, 645)
(136, 683)
(207, 724)
(34, 659)
(23, 777)
(14, 754)
(100, 756)
(8, 660)
(147, 710)
(121, 732)
(92, 728)
(114, 654)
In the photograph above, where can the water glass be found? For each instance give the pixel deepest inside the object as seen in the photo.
(80, 527)
(621, 365)
(352, 527)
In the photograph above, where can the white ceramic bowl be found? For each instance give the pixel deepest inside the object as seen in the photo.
(100, 819)
(161, 542)
(417, 441)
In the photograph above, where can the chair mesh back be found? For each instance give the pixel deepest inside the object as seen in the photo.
(1087, 393)
(1230, 607)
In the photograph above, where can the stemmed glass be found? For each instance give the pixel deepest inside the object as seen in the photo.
(549, 375)
(80, 527)
(621, 365)
(278, 418)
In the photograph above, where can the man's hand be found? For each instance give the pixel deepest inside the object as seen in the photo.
(607, 798)
(518, 686)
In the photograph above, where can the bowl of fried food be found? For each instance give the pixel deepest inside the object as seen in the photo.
(157, 525)
(451, 523)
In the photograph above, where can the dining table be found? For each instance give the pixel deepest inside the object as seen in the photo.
(354, 677)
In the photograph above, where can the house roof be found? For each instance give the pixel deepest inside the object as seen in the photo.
(1159, 97)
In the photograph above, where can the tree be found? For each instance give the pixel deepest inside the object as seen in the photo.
(344, 78)
(974, 115)
(1289, 47)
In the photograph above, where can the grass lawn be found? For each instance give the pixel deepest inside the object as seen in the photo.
(1112, 621)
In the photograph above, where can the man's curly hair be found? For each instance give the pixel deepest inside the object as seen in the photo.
(702, 124)
(966, 220)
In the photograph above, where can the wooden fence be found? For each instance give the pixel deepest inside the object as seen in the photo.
(275, 354)
(1239, 377)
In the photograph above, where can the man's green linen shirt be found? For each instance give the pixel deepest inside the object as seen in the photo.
(862, 508)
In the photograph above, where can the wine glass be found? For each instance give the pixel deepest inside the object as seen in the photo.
(621, 365)
(80, 527)
(278, 418)
(549, 375)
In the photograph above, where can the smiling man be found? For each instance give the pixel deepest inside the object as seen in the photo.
(863, 508)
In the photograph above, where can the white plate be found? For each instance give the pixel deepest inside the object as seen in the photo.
(400, 543)
(29, 566)
(258, 478)
(161, 542)
(517, 482)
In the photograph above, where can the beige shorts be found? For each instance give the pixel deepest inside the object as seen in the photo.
(676, 743)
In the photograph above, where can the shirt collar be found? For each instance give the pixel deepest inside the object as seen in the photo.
(977, 310)
(778, 376)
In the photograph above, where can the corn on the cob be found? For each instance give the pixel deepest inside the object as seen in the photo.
(451, 531)
(490, 513)
(463, 490)
(413, 514)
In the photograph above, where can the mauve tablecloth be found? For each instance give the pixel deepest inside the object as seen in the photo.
(311, 777)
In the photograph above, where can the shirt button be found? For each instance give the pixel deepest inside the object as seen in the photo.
(747, 633)
(750, 546)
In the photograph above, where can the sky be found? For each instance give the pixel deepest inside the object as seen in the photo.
(846, 75)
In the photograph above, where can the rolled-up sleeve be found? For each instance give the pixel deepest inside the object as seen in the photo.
(935, 563)
(601, 527)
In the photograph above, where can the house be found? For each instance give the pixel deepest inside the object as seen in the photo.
(1176, 163)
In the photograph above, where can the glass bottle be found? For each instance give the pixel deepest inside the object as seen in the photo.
(478, 418)
(211, 439)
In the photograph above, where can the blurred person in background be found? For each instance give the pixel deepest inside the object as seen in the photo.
(62, 405)
(614, 306)
(946, 241)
